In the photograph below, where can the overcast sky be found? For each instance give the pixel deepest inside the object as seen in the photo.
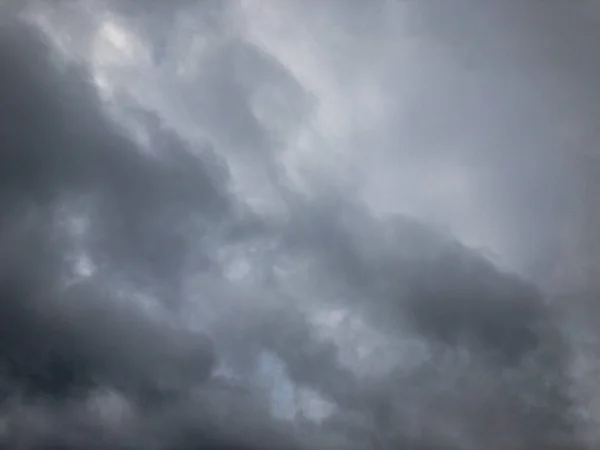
(295, 224)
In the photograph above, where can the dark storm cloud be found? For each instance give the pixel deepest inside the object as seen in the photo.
(434, 288)
(494, 373)
(56, 145)
(59, 342)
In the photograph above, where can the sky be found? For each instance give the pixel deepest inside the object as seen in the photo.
(304, 225)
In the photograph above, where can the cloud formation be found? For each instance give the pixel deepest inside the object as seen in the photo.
(189, 260)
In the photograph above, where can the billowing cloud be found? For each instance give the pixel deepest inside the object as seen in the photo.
(299, 225)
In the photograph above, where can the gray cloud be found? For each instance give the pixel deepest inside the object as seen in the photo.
(146, 278)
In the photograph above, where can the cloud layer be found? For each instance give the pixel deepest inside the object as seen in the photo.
(235, 234)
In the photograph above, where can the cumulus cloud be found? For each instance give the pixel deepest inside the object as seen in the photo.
(241, 225)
